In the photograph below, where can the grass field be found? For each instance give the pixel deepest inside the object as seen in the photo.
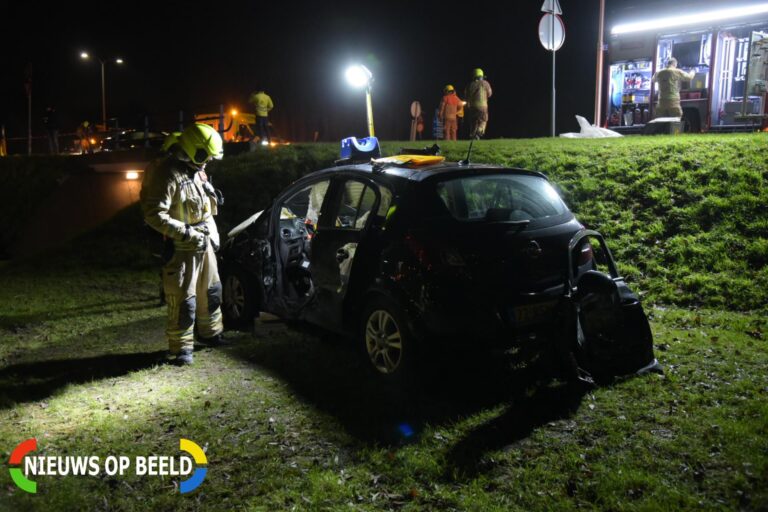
(290, 420)
(685, 216)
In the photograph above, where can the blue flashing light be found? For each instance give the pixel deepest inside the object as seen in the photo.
(362, 149)
(405, 430)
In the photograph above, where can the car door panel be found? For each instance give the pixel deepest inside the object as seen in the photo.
(295, 216)
(335, 247)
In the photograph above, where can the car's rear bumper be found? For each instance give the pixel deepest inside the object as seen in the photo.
(493, 322)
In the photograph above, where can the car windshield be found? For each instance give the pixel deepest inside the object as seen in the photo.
(500, 197)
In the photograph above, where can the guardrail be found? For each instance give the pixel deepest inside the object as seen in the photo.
(70, 142)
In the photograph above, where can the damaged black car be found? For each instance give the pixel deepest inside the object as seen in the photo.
(407, 253)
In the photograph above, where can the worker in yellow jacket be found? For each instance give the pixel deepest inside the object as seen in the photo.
(263, 105)
(179, 202)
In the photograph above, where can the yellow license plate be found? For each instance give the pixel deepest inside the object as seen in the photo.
(531, 313)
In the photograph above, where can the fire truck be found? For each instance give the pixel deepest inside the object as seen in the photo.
(726, 48)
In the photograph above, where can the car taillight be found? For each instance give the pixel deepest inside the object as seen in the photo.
(585, 254)
(428, 257)
(419, 250)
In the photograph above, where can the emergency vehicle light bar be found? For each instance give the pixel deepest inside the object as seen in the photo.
(355, 150)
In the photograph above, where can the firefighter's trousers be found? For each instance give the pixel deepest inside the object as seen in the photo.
(480, 121)
(450, 128)
(193, 292)
(668, 108)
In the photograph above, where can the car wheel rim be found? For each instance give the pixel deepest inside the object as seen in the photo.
(234, 297)
(383, 341)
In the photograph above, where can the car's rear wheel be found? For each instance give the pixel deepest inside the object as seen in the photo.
(387, 340)
(239, 304)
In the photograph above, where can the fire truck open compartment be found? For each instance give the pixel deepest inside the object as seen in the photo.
(727, 93)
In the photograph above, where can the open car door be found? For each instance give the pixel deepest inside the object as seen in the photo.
(335, 246)
(612, 333)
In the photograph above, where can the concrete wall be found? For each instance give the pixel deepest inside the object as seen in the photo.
(81, 203)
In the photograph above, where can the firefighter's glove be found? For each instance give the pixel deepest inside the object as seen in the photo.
(199, 239)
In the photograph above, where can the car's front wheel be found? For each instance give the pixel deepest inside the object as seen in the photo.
(387, 340)
(239, 302)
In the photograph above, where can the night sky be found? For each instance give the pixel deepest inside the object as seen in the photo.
(194, 56)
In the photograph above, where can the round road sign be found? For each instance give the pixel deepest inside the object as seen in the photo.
(415, 109)
(546, 33)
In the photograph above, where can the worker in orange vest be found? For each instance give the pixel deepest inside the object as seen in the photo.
(450, 106)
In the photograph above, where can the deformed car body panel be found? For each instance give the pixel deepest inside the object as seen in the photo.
(491, 280)
(611, 330)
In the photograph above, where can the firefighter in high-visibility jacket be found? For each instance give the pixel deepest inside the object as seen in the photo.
(178, 201)
(477, 93)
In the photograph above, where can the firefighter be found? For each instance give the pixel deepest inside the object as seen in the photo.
(178, 201)
(51, 122)
(477, 93)
(84, 134)
(669, 80)
(263, 104)
(449, 110)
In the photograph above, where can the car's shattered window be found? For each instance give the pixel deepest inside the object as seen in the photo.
(357, 202)
(386, 201)
(306, 203)
(500, 197)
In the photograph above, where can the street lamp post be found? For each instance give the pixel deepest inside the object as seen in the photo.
(116, 60)
(599, 67)
(361, 76)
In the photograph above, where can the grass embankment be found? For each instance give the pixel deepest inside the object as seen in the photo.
(686, 217)
(291, 422)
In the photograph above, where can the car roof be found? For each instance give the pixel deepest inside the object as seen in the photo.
(426, 172)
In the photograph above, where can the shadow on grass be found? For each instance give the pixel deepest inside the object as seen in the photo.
(335, 379)
(39, 372)
(545, 404)
(15, 322)
(28, 382)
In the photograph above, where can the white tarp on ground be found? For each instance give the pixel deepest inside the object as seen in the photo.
(590, 131)
(665, 120)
